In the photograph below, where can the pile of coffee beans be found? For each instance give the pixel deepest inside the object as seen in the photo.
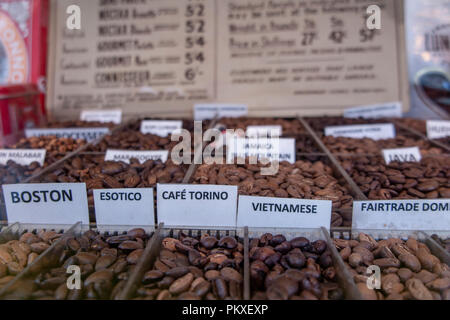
(192, 268)
(298, 269)
(427, 179)
(15, 173)
(408, 269)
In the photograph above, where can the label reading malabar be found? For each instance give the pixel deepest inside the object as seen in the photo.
(219, 110)
(279, 149)
(197, 205)
(88, 134)
(359, 131)
(264, 131)
(402, 214)
(46, 203)
(402, 155)
(104, 116)
(23, 157)
(142, 156)
(437, 129)
(162, 128)
(383, 110)
(122, 207)
(265, 212)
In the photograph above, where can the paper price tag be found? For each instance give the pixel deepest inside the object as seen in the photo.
(373, 131)
(211, 110)
(402, 214)
(88, 134)
(282, 149)
(197, 205)
(142, 156)
(402, 155)
(383, 110)
(437, 129)
(265, 212)
(46, 203)
(104, 116)
(23, 157)
(264, 131)
(162, 128)
(124, 207)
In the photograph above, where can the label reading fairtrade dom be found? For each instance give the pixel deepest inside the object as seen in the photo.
(46, 203)
(402, 214)
(142, 156)
(219, 110)
(162, 128)
(197, 205)
(122, 207)
(437, 129)
(88, 134)
(384, 110)
(262, 212)
(104, 116)
(402, 155)
(23, 157)
(264, 131)
(280, 149)
(373, 131)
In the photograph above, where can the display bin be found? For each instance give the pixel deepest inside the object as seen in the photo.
(22, 286)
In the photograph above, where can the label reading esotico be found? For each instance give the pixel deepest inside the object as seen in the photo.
(88, 134)
(402, 155)
(142, 156)
(23, 157)
(402, 214)
(359, 131)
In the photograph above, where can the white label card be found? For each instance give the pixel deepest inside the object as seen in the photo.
(46, 203)
(265, 212)
(142, 156)
(220, 110)
(402, 214)
(104, 116)
(162, 128)
(278, 149)
(122, 207)
(402, 155)
(383, 110)
(437, 129)
(23, 157)
(197, 205)
(88, 134)
(373, 131)
(264, 131)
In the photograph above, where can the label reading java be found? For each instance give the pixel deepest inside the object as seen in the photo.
(402, 155)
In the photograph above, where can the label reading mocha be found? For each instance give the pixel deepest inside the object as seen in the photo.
(437, 129)
(197, 205)
(88, 134)
(264, 131)
(219, 110)
(278, 149)
(142, 156)
(122, 207)
(23, 157)
(46, 203)
(373, 131)
(162, 128)
(402, 214)
(262, 212)
(105, 116)
(384, 110)
(402, 155)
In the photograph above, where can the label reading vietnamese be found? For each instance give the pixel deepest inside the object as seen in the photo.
(104, 116)
(402, 214)
(46, 203)
(262, 212)
(111, 204)
(264, 131)
(88, 134)
(373, 131)
(383, 110)
(197, 205)
(162, 128)
(23, 157)
(219, 110)
(402, 155)
(279, 149)
(142, 156)
(437, 129)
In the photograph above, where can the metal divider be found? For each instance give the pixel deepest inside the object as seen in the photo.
(436, 248)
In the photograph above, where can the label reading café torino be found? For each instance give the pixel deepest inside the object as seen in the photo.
(402, 214)
(46, 203)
